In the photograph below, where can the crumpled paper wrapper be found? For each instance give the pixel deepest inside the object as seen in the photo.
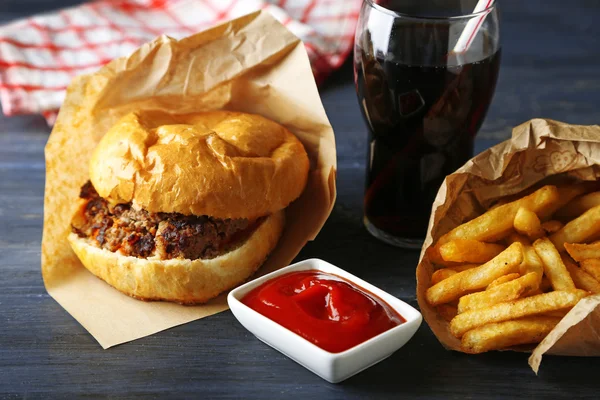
(539, 150)
(251, 64)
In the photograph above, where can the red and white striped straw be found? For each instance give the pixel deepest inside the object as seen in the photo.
(472, 27)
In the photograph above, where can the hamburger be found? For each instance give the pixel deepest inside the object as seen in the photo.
(183, 207)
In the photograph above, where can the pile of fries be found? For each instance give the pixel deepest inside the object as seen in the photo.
(507, 277)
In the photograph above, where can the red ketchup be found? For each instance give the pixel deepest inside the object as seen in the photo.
(326, 310)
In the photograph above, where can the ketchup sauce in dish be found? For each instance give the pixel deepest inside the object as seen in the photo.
(325, 309)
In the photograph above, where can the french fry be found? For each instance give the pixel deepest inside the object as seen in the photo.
(434, 255)
(447, 311)
(566, 194)
(527, 223)
(585, 281)
(441, 274)
(503, 279)
(531, 261)
(582, 279)
(464, 267)
(476, 278)
(469, 251)
(497, 223)
(554, 268)
(579, 205)
(578, 230)
(505, 334)
(581, 252)
(533, 292)
(552, 226)
(592, 267)
(528, 306)
(502, 293)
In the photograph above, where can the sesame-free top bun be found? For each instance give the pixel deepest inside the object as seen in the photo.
(181, 280)
(219, 163)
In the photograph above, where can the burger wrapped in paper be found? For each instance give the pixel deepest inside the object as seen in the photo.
(185, 174)
(539, 152)
(184, 207)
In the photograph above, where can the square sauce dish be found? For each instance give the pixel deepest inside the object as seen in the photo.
(344, 324)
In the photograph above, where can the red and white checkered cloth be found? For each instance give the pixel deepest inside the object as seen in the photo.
(39, 56)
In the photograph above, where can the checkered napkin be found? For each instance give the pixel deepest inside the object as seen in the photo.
(39, 56)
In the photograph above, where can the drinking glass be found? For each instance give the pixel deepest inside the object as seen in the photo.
(423, 88)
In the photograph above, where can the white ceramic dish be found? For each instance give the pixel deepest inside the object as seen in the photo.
(333, 367)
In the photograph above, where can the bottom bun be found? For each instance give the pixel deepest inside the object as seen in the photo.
(181, 280)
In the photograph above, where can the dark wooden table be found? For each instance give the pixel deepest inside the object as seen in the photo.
(550, 68)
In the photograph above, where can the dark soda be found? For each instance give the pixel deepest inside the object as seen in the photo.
(422, 120)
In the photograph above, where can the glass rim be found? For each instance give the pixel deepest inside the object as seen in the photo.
(397, 14)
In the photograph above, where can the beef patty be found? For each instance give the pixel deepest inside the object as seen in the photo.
(143, 234)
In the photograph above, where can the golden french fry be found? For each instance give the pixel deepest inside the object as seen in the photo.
(502, 293)
(533, 292)
(578, 230)
(554, 268)
(585, 281)
(582, 279)
(527, 223)
(592, 267)
(505, 334)
(515, 237)
(566, 194)
(531, 261)
(503, 279)
(528, 306)
(447, 311)
(552, 226)
(476, 278)
(434, 255)
(464, 267)
(497, 223)
(469, 251)
(579, 205)
(581, 252)
(441, 274)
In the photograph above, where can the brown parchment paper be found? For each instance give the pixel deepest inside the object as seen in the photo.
(251, 64)
(539, 149)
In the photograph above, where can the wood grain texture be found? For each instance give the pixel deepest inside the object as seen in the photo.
(549, 69)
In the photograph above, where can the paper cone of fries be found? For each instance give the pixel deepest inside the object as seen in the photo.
(511, 258)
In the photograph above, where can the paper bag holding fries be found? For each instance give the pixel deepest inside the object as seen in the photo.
(511, 259)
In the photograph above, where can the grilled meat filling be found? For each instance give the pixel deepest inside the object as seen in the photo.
(143, 234)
